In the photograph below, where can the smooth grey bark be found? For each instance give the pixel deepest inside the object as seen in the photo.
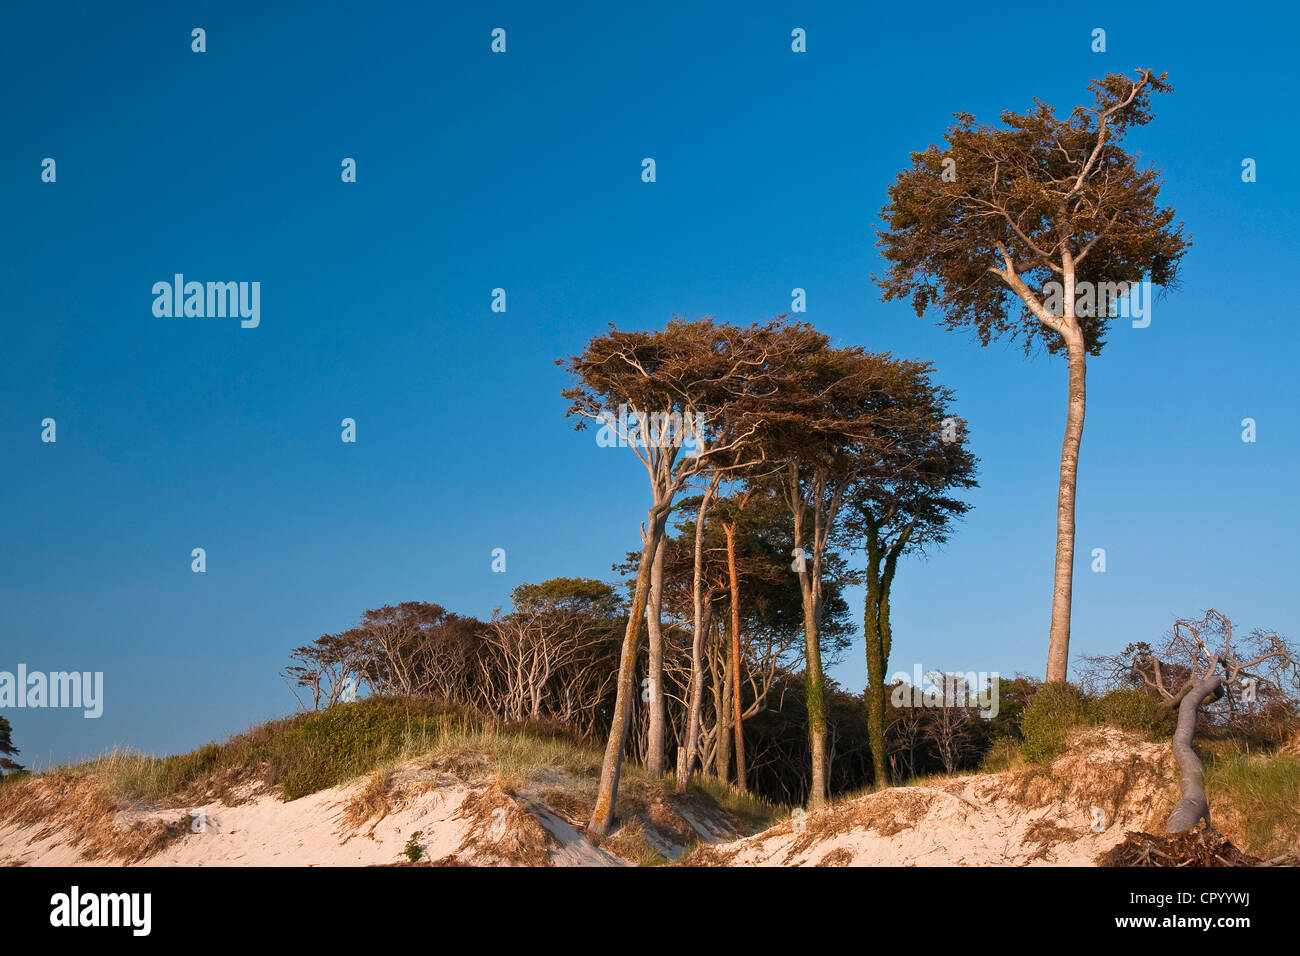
(811, 591)
(1058, 647)
(1058, 651)
(695, 707)
(1193, 806)
(602, 814)
(1067, 326)
(689, 753)
(654, 762)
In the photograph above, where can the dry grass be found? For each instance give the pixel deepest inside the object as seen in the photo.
(837, 857)
(369, 804)
(630, 842)
(399, 750)
(502, 827)
(80, 811)
(750, 812)
(306, 753)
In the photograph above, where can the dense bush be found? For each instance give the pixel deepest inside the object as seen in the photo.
(1052, 710)
(1134, 710)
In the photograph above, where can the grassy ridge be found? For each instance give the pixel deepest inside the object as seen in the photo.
(309, 752)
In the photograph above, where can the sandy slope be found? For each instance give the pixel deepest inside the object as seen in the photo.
(1064, 814)
(317, 830)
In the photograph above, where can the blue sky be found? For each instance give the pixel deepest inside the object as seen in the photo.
(522, 171)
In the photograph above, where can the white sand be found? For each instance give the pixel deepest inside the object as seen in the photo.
(1107, 784)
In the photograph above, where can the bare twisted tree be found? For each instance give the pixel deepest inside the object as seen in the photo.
(1200, 666)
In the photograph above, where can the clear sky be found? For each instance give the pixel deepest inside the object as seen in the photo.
(523, 171)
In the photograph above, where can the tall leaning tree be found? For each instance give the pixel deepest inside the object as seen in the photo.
(979, 229)
(668, 396)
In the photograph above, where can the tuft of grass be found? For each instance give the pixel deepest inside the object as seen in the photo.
(1260, 792)
(751, 812)
(629, 841)
(1004, 754)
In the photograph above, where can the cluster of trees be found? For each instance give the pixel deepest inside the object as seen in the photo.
(776, 459)
(552, 661)
(549, 660)
(797, 446)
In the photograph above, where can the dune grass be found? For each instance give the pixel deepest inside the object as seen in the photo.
(310, 752)
(753, 812)
(1263, 793)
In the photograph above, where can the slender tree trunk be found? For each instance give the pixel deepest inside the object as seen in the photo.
(814, 682)
(695, 707)
(602, 815)
(736, 710)
(721, 705)
(882, 561)
(654, 763)
(817, 725)
(810, 591)
(690, 752)
(1193, 806)
(875, 664)
(1058, 652)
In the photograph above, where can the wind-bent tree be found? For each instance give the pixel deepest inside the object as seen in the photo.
(657, 392)
(1208, 668)
(904, 501)
(330, 668)
(551, 656)
(980, 228)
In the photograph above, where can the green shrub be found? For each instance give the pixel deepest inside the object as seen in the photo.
(1051, 712)
(1134, 710)
(327, 747)
(413, 850)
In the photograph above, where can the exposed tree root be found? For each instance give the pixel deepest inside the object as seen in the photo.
(1203, 846)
